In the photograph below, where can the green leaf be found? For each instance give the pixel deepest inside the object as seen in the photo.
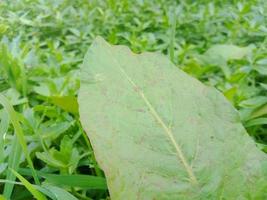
(2, 197)
(220, 54)
(13, 162)
(81, 181)
(59, 193)
(160, 134)
(18, 140)
(227, 52)
(50, 160)
(4, 124)
(65, 159)
(67, 103)
(74, 180)
(260, 112)
(254, 102)
(261, 69)
(264, 86)
(55, 130)
(258, 121)
(29, 186)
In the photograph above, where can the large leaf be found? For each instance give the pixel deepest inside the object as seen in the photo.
(160, 134)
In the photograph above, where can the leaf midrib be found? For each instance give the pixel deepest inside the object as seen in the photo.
(168, 132)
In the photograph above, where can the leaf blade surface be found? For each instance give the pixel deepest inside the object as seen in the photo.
(160, 134)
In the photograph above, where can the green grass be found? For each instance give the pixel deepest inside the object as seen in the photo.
(42, 47)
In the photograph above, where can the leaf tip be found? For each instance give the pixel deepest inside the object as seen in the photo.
(99, 40)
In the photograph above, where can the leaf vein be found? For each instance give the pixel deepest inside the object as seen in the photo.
(168, 132)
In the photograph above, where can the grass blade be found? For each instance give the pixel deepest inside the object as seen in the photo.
(19, 133)
(29, 186)
(13, 162)
(3, 129)
(60, 193)
(81, 181)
